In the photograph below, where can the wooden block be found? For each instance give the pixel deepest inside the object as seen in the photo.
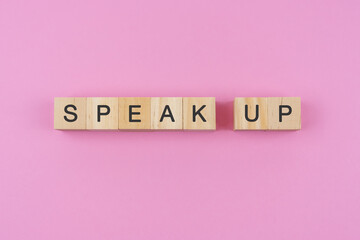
(102, 113)
(166, 113)
(135, 113)
(199, 113)
(250, 113)
(284, 113)
(70, 113)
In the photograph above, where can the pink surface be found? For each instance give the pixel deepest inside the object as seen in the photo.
(180, 185)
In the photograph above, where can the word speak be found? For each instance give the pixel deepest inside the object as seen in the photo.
(173, 113)
(135, 113)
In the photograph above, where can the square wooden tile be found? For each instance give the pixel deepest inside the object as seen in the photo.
(284, 113)
(102, 113)
(199, 113)
(166, 113)
(250, 113)
(69, 113)
(134, 113)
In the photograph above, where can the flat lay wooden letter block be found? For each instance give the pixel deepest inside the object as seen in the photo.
(284, 113)
(250, 113)
(70, 113)
(199, 113)
(134, 113)
(102, 113)
(166, 113)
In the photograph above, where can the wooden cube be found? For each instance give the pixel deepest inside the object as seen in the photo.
(134, 113)
(199, 113)
(250, 113)
(166, 113)
(102, 113)
(284, 113)
(70, 113)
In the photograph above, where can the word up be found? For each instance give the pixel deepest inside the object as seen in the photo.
(268, 113)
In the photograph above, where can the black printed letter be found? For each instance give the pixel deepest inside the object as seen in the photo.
(247, 114)
(198, 113)
(167, 115)
(71, 113)
(133, 113)
(99, 113)
(284, 114)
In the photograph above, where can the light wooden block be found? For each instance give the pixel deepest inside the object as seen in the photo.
(199, 113)
(279, 116)
(102, 113)
(70, 113)
(166, 113)
(250, 113)
(135, 113)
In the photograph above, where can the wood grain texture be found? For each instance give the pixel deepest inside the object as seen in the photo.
(286, 122)
(245, 120)
(60, 116)
(171, 109)
(208, 112)
(141, 113)
(104, 122)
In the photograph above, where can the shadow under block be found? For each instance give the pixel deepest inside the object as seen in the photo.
(199, 113)
(134, 113)
(166, 113)
(250, 113)
(284, 113)
(102, 113)
(70, 113)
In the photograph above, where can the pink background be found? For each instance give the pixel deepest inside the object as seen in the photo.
(180, 185)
